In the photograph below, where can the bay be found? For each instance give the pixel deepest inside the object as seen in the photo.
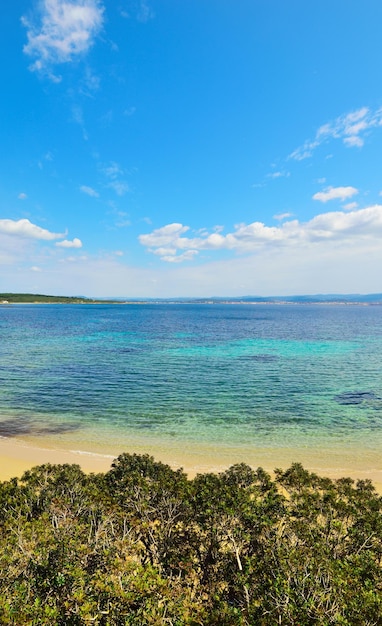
(276, 376)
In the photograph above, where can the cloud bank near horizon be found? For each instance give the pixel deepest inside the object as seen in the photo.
(171, 244)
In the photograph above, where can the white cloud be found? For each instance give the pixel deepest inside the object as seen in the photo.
(25, 228)
(35, 268)
(170, 244)
(89, 191)
(22, 196)
(75, 243)
(335, 193)
(350, 206)
(186, 256)
(163, 236)
(350, 128)
(279, 174)
(74, 259)
(65, 30)
(164, 252)
(354, 140)
(282, 216)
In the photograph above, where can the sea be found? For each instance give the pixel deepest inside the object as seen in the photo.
(98, 377)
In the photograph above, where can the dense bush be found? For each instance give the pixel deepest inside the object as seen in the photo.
(143, 545)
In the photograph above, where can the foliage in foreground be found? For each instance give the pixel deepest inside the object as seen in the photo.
(143, 545)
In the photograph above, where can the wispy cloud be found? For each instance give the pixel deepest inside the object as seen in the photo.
(46, 158)
(22, 196)
(282, 216)
(122, 219)
(113, 170)
(78, 118)
(25, 228)
(171, 244)
(89, 191)
(60, 31)
(120, 187)
(75, 243)
(349, 128)
(115, 173)
(145, 12)
(138, 9)
(90, 83)
(278, 174)
(130, 111)
(335, 193)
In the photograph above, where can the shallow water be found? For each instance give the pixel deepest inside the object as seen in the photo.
(261, 376)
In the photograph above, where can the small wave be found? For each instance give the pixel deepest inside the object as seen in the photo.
(97, 454)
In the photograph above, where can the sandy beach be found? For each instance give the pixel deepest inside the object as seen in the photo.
(17, 456)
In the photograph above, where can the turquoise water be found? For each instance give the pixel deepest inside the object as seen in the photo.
(262, 375)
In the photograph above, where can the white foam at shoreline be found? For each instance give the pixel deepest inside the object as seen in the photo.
(96, 454)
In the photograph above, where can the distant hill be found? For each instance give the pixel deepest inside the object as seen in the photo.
(316, 298)
(374, 298)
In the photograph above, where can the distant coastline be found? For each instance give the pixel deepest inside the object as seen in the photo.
(335, 299)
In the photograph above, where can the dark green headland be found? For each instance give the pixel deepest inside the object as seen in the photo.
(19, 298)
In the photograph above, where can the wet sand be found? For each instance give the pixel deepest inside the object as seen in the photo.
(17, 456)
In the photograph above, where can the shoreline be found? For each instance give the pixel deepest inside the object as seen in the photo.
(18, 456)
(207, 302)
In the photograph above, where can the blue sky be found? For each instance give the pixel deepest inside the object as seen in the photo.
(191, 147)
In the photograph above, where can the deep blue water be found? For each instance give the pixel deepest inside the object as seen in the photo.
(268, 374)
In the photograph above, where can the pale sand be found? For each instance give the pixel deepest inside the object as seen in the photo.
(17, 456)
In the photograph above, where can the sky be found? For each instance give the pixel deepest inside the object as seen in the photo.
(174, 148)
